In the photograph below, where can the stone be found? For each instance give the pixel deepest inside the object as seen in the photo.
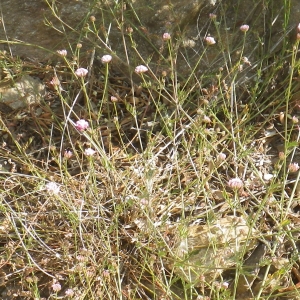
(22, 93)
(208, 250)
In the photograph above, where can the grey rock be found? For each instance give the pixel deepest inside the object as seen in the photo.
(21, 94)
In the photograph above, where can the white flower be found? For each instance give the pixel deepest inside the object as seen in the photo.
(81, 72)
(225, 285)
(89, 152)
(81, 125)
(221, 156)
(52, 188)
(210, 40)
(293, 167)
(69, 293)
(56, 287)
(166, 36)
(62, 52)
(235, 183)
(106, 59)
(141, 69)
(244, 28)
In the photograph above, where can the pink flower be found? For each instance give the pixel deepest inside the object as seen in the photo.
(81, 72)
(68, 154)
(81, 125)
(212, 16)
(113, 99)
(166, 36)
(298, 28)
(62, 52)
(244, 28)
(210, 40)
(221, 156)
(56, 287)
(106, 59)
(69, 293)
(293, 167)
(235, 183)
(225, 285)
(141, 69)
(89, 152)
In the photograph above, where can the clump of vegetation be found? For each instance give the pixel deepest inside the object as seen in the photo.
(113, 184)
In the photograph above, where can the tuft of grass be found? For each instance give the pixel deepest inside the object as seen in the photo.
(167, 143)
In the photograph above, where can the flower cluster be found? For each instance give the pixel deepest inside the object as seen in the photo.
(81, 125)
(298, 32)
(141, 69)
(106, 59)
(210, 40)
(166, 36)
(69, 293)
(89, 152)
(293, 167)
(235, 183)
(68, 154)
(244, 28)
(81, 72)
(62, 52)
(221, 157)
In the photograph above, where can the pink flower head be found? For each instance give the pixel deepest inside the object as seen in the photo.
(81, 72)
(221, 156)
(89, 152)
(69, 293)
(244, 28)
(113, 99)
(298, 28)
(235, 183)
(68, 154)
(225, 285)
(106, 58)
(141, 69)
(210, 40)
(293, 167)
(62, 52)
(81, 125)
(56, 287)
(212, 16)
(166, 36)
